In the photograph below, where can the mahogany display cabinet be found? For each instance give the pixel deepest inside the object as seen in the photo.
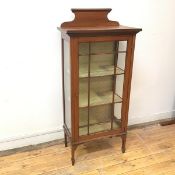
(97, 61)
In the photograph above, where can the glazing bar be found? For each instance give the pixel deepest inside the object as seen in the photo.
(116, 45)
(89, 68)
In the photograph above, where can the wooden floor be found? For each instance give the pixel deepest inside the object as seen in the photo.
(150, 151)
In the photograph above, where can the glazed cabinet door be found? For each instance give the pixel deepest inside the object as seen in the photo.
(101, 78)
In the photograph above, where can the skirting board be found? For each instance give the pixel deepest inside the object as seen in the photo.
(58, 134)
(33, 139)
(155, 117)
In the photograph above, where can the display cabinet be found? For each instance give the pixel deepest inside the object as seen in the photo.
(97, 59)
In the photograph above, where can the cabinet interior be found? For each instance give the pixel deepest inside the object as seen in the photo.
(101, 76)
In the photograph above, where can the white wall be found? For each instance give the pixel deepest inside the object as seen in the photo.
(30, 64)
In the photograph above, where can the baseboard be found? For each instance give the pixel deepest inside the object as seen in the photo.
(48, 136)
(33, 139)
(155, 117)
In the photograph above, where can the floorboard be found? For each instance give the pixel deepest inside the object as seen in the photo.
(150, 151)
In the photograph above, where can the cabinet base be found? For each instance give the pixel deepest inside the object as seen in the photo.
(75, 145)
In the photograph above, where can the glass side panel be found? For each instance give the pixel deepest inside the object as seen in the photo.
(119, 85)
(101, 76)
(67, 85)
(119, 80)
(122, 46)
(121, 60)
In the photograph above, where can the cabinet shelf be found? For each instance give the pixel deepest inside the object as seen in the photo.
(101, 53)
(97, 99)
(98, 71)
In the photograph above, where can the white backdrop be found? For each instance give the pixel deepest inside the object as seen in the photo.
(30, 64)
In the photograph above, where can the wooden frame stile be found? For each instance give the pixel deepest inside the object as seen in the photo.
(92, 25)
(127, 89)
(89, 69)
(74, 94)
(114, 80)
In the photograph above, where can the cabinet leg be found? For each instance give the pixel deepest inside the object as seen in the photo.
(73, 148)
(123, 143)
(65, 139)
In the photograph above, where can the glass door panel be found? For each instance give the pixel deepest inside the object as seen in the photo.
(83, 103)
(101, 100)
(83, 88)
(101, 74)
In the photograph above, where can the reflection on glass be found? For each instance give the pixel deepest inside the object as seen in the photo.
(102, 47)
(117, 115)
(122, 46)
(119, 85)
(83, 122)
(121, 60)
(83, 102)
(67, 85)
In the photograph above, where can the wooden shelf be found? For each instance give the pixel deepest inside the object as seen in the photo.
(99, 71)
(97, 99)
(102, 53)
(98, 127)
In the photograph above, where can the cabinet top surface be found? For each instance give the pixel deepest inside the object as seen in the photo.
(93, 21)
